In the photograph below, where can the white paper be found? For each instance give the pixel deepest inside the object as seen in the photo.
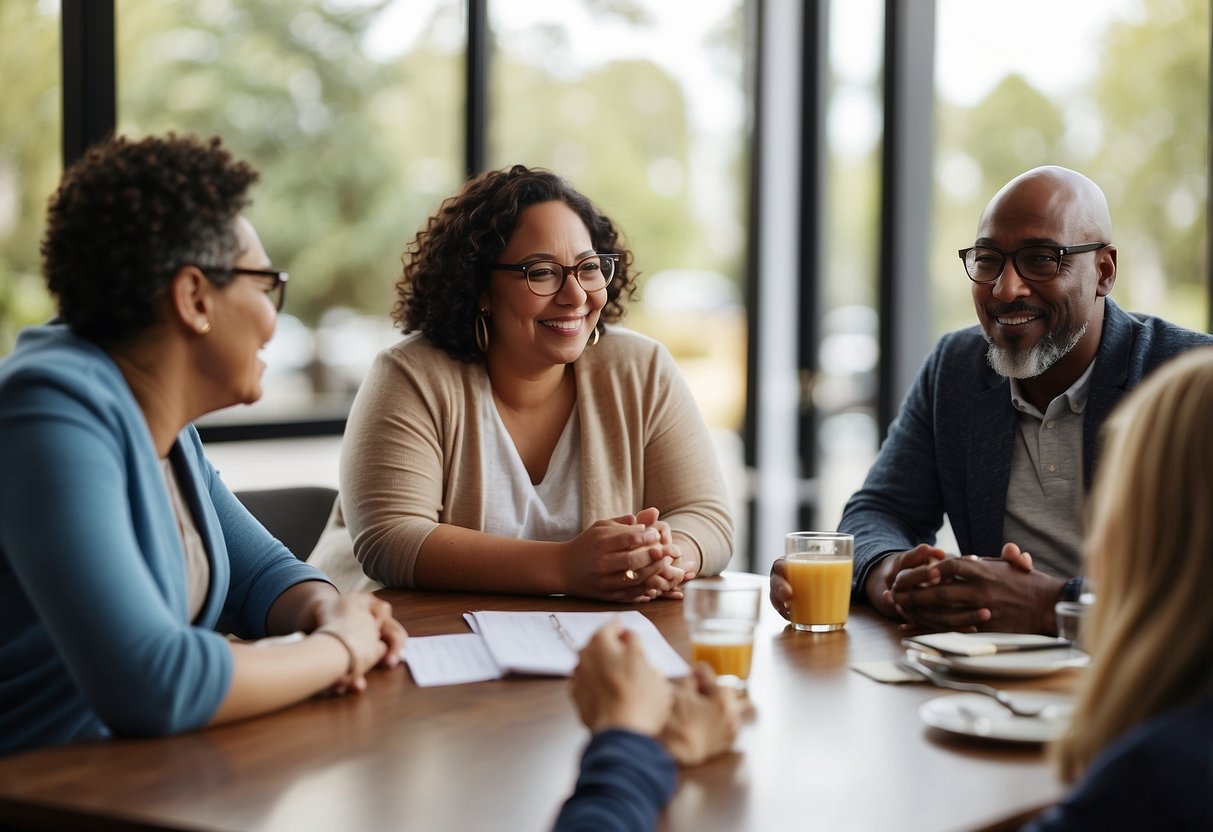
(449, 660)
(528, 643)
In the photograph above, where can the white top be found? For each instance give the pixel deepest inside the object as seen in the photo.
(197, 565)
(549, 510)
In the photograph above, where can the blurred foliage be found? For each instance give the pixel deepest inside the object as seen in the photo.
(1139, 130)
(30, 127)
(1153, 161)
(356, 153)
(288, 86)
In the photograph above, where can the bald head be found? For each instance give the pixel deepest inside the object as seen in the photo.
(1056, 196)
(1043, 315)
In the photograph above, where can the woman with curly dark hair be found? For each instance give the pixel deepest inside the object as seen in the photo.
(121, 550)
(513, 441)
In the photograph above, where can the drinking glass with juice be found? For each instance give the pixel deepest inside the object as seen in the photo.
(818, 566)
(721, 614)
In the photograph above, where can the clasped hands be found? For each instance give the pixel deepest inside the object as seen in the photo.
(629, 559)
(931, 591)
(370, 633)
(614, 686)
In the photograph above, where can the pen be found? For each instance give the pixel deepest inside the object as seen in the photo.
(564, 634)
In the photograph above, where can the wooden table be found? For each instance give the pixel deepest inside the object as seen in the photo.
(828, 749)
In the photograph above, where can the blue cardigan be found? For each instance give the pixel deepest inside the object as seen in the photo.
(949, 449)
(94, 635)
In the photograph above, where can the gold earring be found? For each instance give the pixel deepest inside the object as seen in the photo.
(594, 336)
(205, 328)
(482, 330)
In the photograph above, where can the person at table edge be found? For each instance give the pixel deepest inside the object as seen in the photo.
(124, 559)
(512, 441)
(999, 429)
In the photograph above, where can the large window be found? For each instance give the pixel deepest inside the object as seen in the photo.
(1117, 89)
(844, 393)
(30, 115)
(353, 112)
(642, 106)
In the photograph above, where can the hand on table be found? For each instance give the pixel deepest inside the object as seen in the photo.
(968, 594)
(366, 627)
(880, 579)
(704, 720)
(624, 559)
(614, 686)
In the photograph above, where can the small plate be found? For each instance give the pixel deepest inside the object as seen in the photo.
(1024, 665)
(974, 715)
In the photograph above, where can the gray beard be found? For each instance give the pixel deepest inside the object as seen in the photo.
(1021, 364)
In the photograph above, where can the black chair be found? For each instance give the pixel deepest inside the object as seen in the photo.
(296, 516)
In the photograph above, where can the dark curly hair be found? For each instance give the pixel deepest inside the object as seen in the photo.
(127, 216)
(447, 266)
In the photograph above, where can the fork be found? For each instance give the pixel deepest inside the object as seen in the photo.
(912, 665)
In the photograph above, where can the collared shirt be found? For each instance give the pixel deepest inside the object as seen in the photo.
(1044, 510)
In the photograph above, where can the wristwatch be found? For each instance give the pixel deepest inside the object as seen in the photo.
(1072, 589)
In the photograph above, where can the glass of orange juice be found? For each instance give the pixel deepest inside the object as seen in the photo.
(721, 615)
(819, 569)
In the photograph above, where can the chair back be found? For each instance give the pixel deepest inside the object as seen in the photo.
(295, 515)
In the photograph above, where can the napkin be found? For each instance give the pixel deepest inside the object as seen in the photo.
(885, 671)
(977, 644)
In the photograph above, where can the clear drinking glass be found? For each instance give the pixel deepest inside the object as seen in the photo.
(721, 614)
(819, 566)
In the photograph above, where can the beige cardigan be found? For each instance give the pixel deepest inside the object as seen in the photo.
(411, 456)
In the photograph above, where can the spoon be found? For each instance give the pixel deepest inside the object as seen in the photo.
(912, 665)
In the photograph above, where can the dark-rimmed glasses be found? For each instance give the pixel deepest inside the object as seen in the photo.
(1037, 262)
(277, 294)
(547, 277)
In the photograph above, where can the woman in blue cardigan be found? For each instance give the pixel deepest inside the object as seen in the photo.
(124, 559)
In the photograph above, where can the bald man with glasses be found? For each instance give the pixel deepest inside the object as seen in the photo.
(999, 431)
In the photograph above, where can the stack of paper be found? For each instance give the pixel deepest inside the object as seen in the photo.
(502, 643)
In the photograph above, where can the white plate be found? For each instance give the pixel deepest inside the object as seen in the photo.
(1024, 665)
(974, 715)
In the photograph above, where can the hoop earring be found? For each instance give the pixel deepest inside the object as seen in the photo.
(482, 330)
(594, 336)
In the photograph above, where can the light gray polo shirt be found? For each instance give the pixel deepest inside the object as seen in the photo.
(1044, 513)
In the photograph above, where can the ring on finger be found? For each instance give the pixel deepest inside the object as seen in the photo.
(629, 576)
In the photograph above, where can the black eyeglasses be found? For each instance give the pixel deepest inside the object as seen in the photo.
(547, 277)
(276, 292)
(1036, 262)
